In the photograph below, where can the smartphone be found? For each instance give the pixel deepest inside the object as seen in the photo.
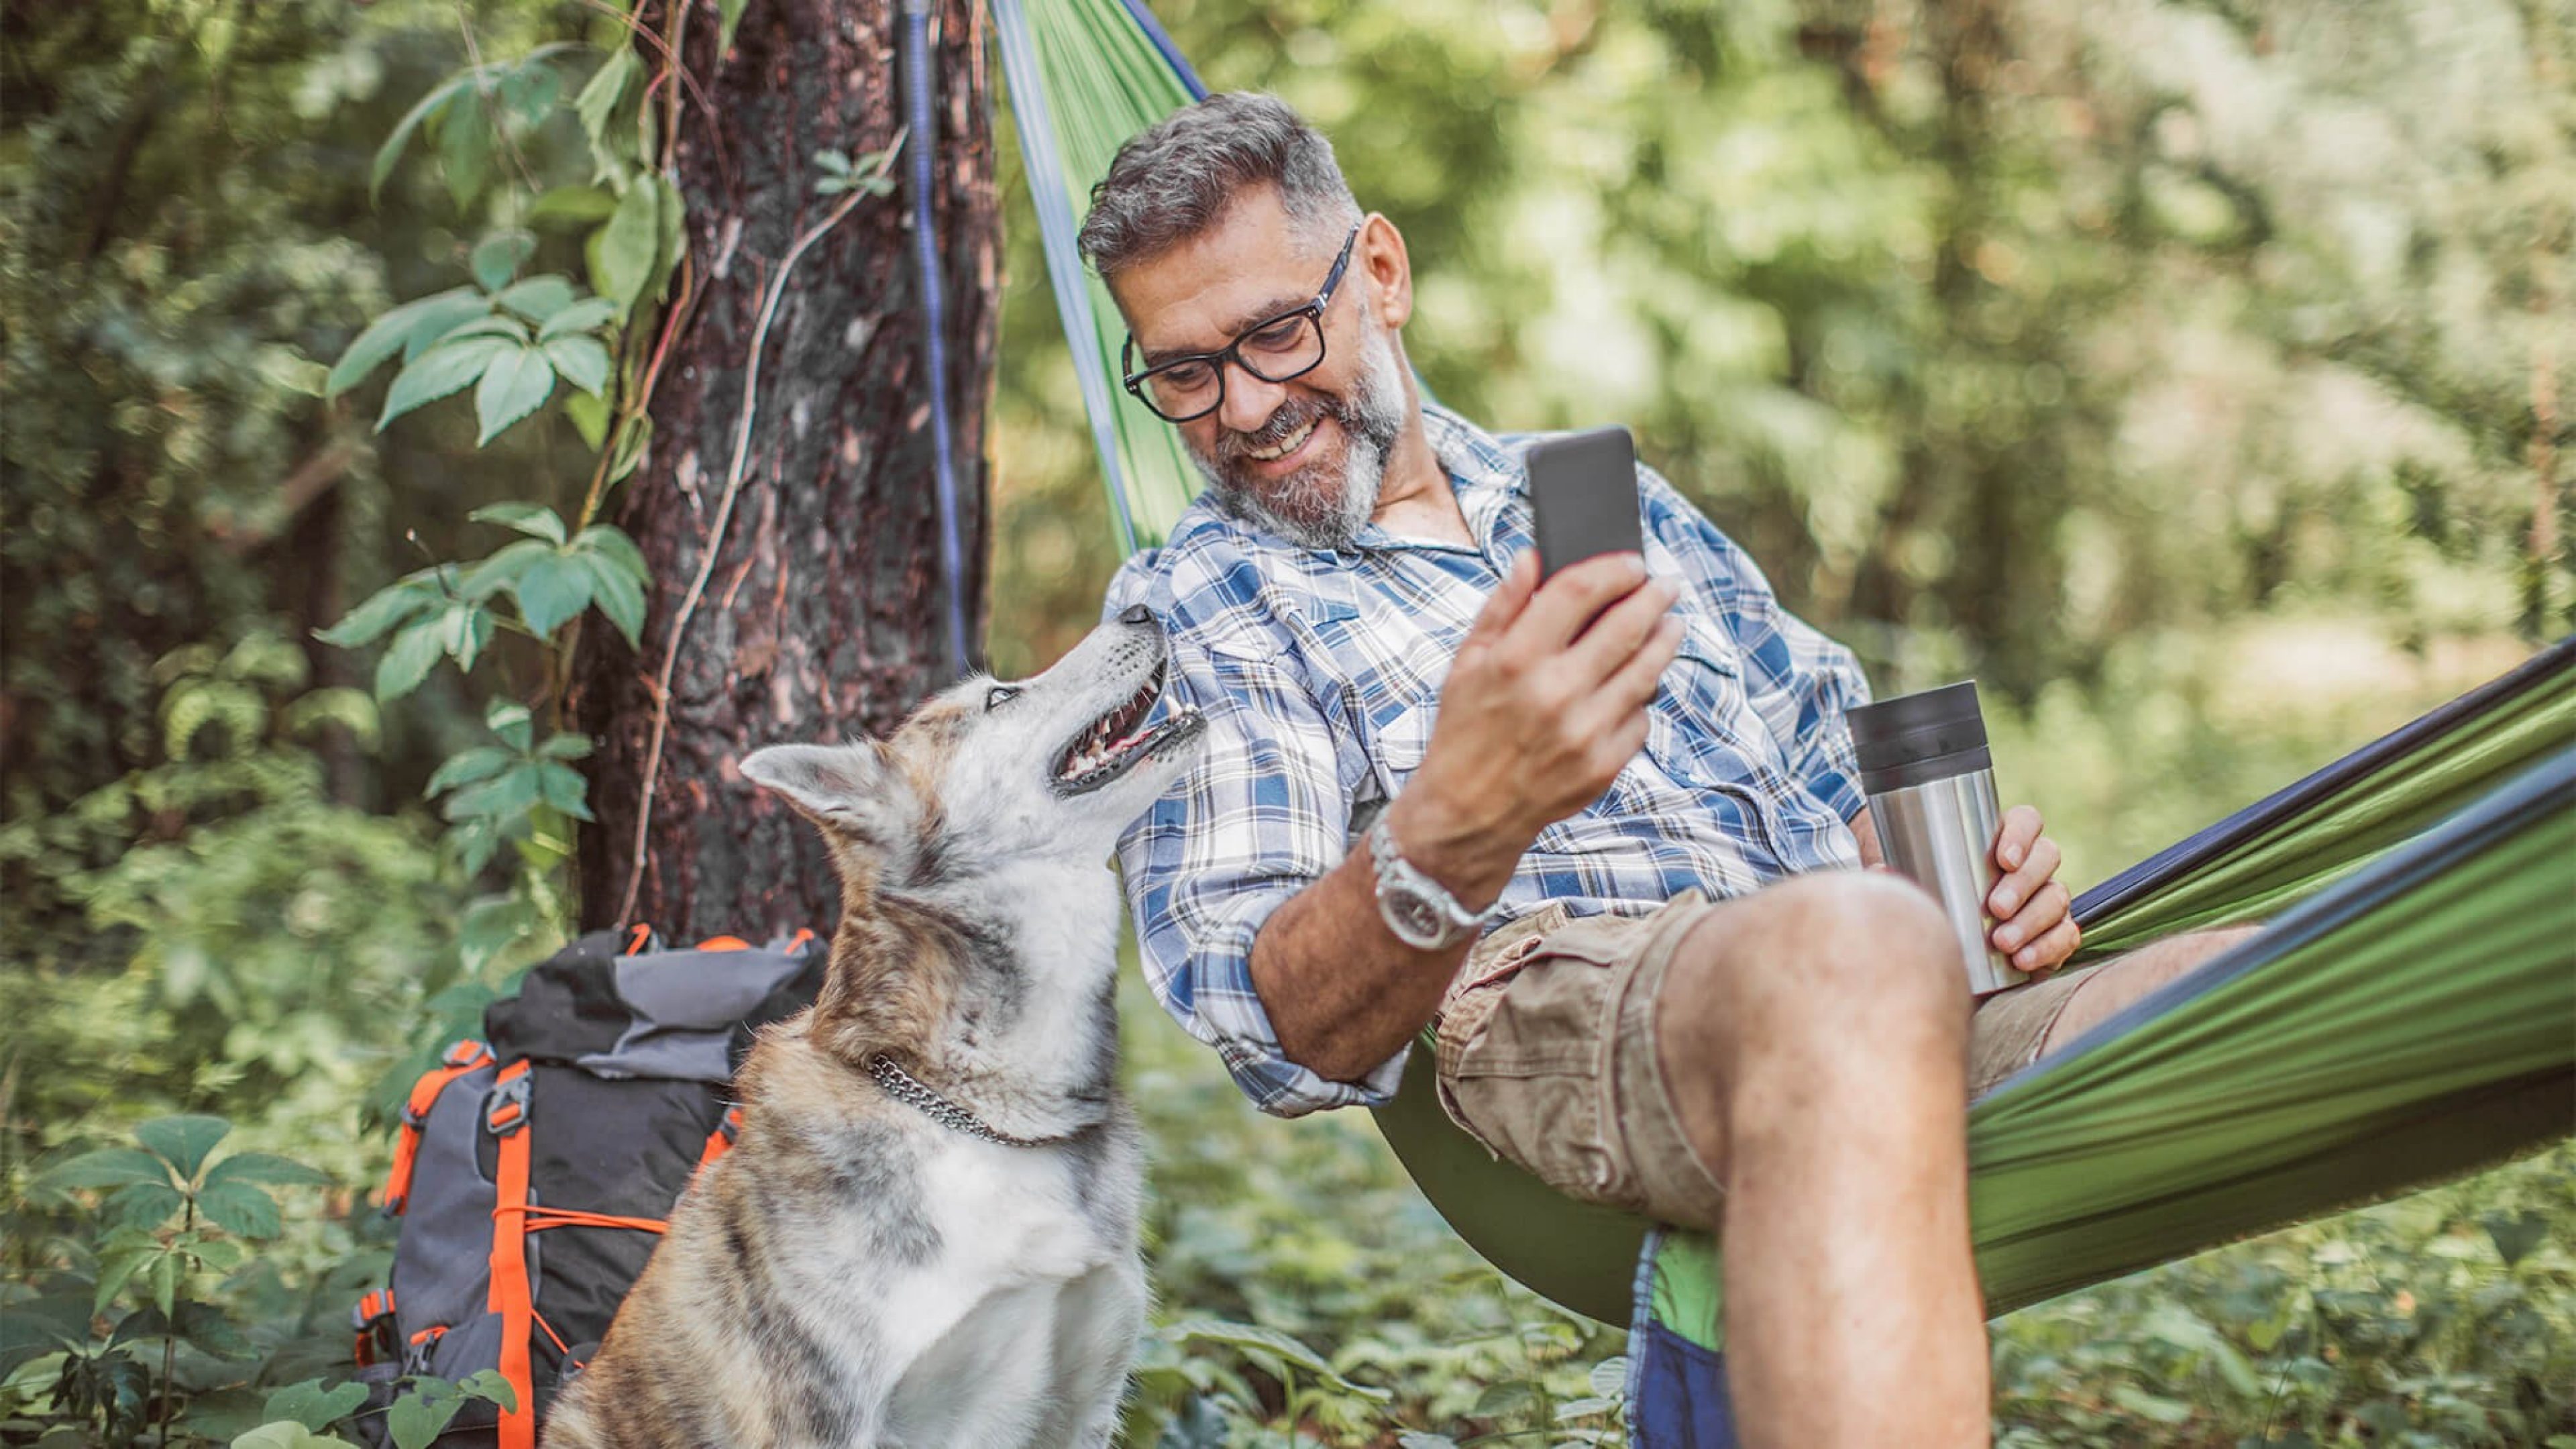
(1583, 493)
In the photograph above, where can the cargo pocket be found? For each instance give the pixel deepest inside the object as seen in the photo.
(1528, 1072)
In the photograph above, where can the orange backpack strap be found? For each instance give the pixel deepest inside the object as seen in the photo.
(512, 1296)
(720, 1141)
(461, 1057)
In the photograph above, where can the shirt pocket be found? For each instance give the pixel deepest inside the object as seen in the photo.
(1398, 743)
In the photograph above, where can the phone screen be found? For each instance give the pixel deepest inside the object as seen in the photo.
(1583, 493)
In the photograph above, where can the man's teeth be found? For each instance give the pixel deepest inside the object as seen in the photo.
(1286, 446)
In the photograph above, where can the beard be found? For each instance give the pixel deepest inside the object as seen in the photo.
(1320, 506)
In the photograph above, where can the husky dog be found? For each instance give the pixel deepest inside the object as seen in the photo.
(926, 1234)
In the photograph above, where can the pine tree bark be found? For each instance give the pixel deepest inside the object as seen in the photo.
(823, 616)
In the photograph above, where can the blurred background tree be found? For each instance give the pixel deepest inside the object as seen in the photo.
(2198, 373)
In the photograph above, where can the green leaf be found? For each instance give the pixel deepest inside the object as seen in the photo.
(266, 1167)
(146, 1204)
(506, 797)
(1271, 1341)
(581, 360)
(240, 1208)
(468, 627)
(551, 591)
(517, 384)
(183, 1141)
(464, 148)
(313, 1406)
(611, 543)
(381, 611)
(510, 720)
(289, 1436)
(617, 593)
(634, 441)
(572, 206)
(489, 1386)
(538, 298)
(728, 15)
(1499, 1400)
(566, 746)
(589, 414)
(498, 257)
(2515, 1236)
(118, 1268)
(161, 1279)
(563, 787)
(503, 568)
(205, 1325)
(1609, 1378)
(467, 767)
(392, 149)
(2150, 1406)
(602, 107)
(398, 331)
(414, 1420)
(490, 324)
(629, 244)
(416, 650)
(107, 1167)
(443, 369)
(533, 519)
(581, 316)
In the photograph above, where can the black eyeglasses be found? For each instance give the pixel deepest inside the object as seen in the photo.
(1288, 345)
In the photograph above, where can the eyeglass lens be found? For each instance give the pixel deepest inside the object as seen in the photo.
(1283, 348)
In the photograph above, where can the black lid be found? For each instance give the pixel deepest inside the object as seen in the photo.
(1917, 738)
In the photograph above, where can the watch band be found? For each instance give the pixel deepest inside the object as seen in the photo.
(1419, 910)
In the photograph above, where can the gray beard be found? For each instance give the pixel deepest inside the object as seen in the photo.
(1310, 508)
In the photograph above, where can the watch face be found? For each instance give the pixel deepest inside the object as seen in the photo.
(1415, 918)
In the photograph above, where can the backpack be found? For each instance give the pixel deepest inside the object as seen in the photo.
(534, 1168)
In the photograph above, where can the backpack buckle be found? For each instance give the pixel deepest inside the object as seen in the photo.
(506, 1111)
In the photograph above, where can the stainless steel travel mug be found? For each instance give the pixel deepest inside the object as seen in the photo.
(1931, 788)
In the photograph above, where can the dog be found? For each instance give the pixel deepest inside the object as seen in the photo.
(926, 1232)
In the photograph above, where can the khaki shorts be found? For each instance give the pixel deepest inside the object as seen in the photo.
(1547, 1055)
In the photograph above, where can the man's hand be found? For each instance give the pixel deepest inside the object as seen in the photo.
(1535, 722)
(2029, 904)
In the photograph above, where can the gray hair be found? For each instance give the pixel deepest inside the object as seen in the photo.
(1176, 179)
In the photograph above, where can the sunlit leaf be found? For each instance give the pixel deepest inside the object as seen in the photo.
(266, 1167)
(399, 330)
(617, 592)
(314, 1406)
(629, 243)
(581, 361)
(581, 316)
(415, 651)
(572, 206)
(511, 722)
(503, 568)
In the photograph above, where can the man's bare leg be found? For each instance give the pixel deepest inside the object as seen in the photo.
(1814, 1035)
(2123, 979)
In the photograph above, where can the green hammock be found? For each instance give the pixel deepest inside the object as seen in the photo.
(2410, 1020)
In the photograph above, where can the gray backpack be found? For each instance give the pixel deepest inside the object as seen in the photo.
(535, 1168)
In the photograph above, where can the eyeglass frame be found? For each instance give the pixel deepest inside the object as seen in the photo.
(1312, 311)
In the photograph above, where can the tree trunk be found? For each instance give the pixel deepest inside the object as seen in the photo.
(823, 616)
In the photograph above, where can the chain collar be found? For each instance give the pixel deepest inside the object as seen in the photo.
(904, 1087)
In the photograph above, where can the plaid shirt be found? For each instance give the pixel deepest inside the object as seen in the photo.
(1319, 674)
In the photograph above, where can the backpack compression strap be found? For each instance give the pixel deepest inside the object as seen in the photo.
(511, 1297)
(461, 1057)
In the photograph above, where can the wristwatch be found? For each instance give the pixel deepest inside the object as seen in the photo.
(1416, 908)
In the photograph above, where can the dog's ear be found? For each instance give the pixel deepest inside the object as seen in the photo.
(852, 791)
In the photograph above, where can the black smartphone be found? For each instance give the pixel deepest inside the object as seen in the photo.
(1583, 491)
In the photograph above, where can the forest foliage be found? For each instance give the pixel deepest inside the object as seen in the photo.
(2197, 373)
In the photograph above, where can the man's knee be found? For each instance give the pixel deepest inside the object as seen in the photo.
(1838, 961)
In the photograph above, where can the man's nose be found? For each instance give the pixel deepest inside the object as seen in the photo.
(1135, 614)
(1249, 401)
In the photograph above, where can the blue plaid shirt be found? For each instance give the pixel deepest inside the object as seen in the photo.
(1319, 674)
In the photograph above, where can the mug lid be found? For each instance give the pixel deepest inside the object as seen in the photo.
(1917, 729)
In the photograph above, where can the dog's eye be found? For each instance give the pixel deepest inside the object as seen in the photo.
(993, 698)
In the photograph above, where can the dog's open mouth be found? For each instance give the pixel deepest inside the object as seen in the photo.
(1117, 741)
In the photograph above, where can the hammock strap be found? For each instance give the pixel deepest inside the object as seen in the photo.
(922, 127)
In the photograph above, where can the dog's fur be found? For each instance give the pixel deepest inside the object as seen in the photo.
(853, 1272)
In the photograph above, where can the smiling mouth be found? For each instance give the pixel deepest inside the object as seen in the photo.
(1118, 741)
(1287, 445)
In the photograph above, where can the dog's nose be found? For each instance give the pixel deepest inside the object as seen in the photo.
(1135, 614)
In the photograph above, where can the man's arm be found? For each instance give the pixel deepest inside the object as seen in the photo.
(1534, 723)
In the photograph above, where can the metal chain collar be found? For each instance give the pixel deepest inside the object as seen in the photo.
(904, 1087)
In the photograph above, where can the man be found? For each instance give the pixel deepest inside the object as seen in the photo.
(1685, 997)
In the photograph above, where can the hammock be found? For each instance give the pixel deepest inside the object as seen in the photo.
(2404, 1018)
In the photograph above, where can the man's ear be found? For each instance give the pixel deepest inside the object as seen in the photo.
(849, 790)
